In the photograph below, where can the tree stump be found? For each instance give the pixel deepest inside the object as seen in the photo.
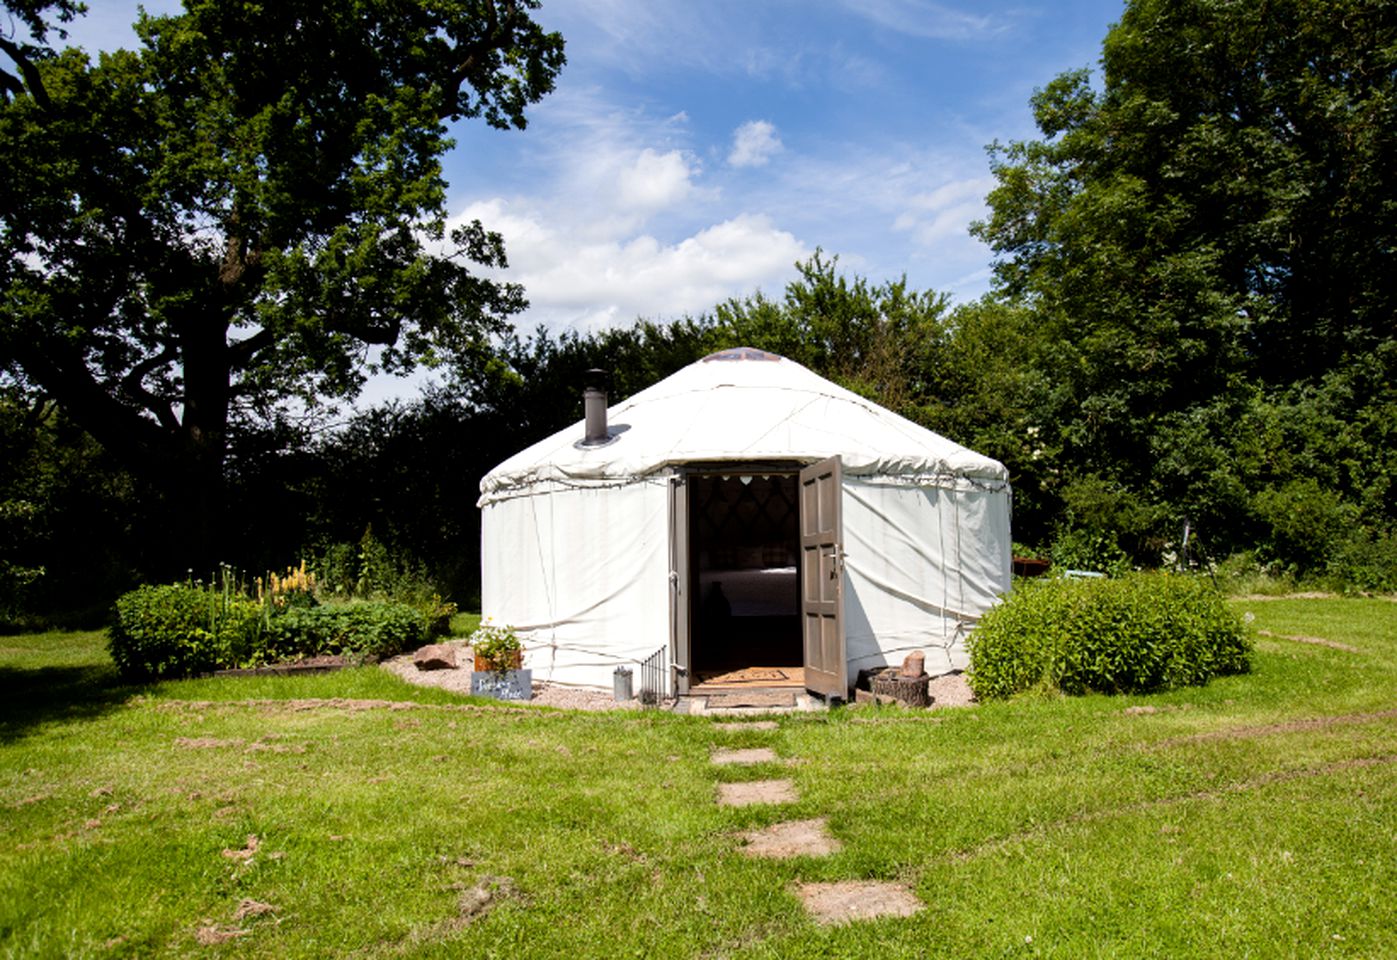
(909, 690)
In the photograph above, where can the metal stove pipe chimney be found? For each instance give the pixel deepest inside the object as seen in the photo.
(594, 408)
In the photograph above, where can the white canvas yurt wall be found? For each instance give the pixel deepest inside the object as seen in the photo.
(576, 540)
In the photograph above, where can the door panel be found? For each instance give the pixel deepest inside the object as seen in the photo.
(822, 579)
(679, 606)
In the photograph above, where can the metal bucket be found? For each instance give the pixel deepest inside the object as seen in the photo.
(621, 684)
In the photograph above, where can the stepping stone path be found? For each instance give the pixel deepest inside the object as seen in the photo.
(857, 900)
(827, 903)
(756, 791)
(737, 725)
(793, 838)
(725, 758)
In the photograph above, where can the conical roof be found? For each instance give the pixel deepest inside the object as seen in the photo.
(741, 405)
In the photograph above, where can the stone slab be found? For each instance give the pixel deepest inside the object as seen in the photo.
(793, 838)
(755, 792)
(850, 900)
(751, 755)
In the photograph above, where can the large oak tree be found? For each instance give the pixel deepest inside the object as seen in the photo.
(243, 217)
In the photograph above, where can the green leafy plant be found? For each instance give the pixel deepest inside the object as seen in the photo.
(367, 629)
(496, 646)
(180, 629)
(1146, 631)
(1367, 562)
(1089, 549)
(371, 570)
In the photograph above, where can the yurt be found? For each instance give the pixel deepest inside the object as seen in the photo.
(743, 520)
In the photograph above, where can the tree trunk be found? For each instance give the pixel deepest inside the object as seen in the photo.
(198, 492)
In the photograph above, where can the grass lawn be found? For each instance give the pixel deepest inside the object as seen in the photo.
(1256, 816)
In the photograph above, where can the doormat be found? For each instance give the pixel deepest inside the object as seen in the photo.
(751, 698)
(750, 675)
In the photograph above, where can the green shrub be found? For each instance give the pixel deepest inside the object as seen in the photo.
(369, 570)
(366, 629)
(1145, 631)
(1243, 574)
(176, 630)
(1309, 522)
(1089, 549)
(1366, 561)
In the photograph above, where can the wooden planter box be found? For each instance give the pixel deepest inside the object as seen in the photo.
(482, 665)
(1030, 567)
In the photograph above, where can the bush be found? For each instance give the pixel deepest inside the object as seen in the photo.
(1089, 549)
(369, 570)
(182, 629)
(176, 630)
(1308, 522)
(1146, 631)
(1366, 562)
(368, 629)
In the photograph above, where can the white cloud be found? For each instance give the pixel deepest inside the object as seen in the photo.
(604, 282)
(945, 212)
(654, 181)
(753, 144)
(923, 18)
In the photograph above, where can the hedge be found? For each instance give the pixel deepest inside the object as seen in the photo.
(183, 629)
(179, 629)
(1142, 632)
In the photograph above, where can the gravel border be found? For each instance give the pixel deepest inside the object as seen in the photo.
(947, 690)
(544, 694)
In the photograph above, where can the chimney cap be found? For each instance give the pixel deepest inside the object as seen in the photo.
(596, 377)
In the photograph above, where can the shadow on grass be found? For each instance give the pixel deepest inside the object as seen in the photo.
(31, 698)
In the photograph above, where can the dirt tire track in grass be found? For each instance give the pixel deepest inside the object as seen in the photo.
(350, 705)
(1272, 729)
(1267, 779)
(1316, 641)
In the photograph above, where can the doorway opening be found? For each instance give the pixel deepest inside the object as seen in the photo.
(744, 567)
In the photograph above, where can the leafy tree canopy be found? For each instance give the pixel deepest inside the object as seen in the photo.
(247, 214)
(24, 40)
(1204, 240)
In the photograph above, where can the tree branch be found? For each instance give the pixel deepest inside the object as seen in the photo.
(32, 81)
(131, 385)
(491, 39)
(241, 353)
(116, 425)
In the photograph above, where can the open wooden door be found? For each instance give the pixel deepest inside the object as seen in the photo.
(822, 579)
(681, 646)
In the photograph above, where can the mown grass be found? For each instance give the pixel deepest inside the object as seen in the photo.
(1256, 816)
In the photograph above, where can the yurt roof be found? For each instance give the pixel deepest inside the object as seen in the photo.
(741, 405)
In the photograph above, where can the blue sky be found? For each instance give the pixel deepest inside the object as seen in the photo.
(694, 150)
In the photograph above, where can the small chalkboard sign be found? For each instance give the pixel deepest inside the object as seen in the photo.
(503, 685)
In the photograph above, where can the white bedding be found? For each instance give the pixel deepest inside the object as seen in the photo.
(769, 592)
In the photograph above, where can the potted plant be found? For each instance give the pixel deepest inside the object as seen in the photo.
(499, 663)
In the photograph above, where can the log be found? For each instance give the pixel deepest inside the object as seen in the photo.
(909, 690)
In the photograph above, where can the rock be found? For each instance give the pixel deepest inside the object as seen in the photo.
(865, 696)
(914, 665)
(435, 657)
